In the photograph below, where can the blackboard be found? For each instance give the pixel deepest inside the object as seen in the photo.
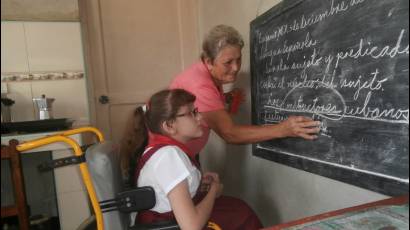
(345, 63)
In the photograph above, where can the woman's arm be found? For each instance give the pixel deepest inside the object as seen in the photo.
(296, 126)
(186, 213)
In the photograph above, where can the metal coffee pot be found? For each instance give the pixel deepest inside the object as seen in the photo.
(44, 107)
(6, 104)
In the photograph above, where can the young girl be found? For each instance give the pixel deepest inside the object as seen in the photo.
(172, 170)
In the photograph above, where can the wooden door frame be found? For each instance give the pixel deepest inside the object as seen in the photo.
(95, 63)
(95, 57)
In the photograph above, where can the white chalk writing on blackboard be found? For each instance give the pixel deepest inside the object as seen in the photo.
(306, 21)
(371, 83)
(374, 51)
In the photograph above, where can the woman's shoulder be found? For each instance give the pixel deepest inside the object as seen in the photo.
(195, 74)
(197, 67)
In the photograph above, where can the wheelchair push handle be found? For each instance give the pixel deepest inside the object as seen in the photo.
(50, 139)
(82, 130)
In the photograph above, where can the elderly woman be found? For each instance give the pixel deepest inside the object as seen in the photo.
(220, 64)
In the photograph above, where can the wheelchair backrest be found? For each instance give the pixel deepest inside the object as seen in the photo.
(104, 167)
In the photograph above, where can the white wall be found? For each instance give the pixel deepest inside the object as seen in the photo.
(44, 58)
(277, 193)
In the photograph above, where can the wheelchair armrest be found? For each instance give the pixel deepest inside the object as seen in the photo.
(137, 199)
(162, 225)
(90, 224)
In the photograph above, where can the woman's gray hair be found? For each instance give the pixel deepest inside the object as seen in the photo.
(218, 38)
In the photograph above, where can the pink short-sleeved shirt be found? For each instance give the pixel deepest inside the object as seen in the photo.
(198, 81)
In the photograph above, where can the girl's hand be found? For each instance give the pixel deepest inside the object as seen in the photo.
(210, 181)
(206, 181)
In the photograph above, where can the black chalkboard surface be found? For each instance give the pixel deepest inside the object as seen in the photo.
(345, 63)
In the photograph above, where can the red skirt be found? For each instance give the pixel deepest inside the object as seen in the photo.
(233, 214)
(228, 212)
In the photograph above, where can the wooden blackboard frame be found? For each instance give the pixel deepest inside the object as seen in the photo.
(376, 183)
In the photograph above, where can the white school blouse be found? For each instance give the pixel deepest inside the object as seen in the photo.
(164, 170)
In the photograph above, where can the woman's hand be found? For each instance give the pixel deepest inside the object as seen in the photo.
(299, 126)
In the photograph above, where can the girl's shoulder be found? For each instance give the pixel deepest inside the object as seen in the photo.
(169, 154)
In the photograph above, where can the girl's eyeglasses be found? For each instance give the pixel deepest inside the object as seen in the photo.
(194, 113)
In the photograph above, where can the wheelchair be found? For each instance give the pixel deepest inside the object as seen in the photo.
(100, 170)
